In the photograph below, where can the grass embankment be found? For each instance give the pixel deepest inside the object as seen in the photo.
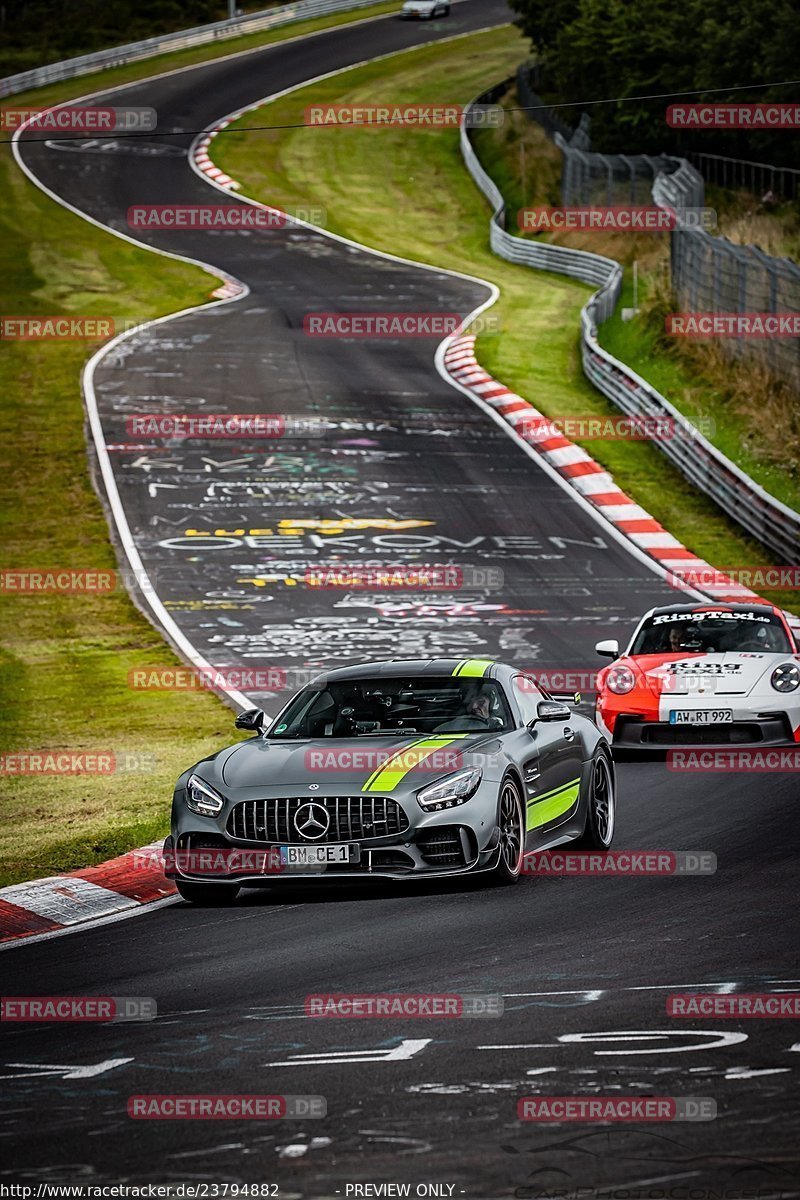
(64, 660)
(755, 419)
(405, 190)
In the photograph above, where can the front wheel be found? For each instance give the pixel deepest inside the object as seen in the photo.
(598, 832)
(511, 825)
(210, 895)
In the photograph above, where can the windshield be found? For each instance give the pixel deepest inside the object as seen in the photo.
(402, 706)
(712, 633)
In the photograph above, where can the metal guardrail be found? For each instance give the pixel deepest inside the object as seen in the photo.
(589, 268)
(774, 524)
(708, 273)
(681, 188)
(201, 35)
(589, 178)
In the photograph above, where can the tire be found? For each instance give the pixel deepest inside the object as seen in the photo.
(208, 895)
(598, 832)
(511, 822)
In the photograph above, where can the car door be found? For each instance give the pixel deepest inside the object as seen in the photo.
(551, 763)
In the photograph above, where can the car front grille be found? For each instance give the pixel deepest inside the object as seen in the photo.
(739, 733)
(350, 819)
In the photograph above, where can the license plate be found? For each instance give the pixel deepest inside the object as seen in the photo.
(701, 716)
(319, 856)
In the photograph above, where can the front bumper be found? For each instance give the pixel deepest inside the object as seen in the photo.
(371, 866)
(634, 732)
(454, 841)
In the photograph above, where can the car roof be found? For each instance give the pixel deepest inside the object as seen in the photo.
(394, 668)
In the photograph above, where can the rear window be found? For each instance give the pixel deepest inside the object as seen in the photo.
(712, 632)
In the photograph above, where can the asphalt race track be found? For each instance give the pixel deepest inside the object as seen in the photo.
(406, 470)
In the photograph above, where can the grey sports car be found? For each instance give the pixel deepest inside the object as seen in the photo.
(398, 770)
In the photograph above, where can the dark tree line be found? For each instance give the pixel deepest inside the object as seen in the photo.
(599, 49)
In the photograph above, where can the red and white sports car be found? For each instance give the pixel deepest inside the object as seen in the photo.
(702, 675)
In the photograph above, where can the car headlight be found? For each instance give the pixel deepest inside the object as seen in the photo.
(202, 799)
(786, 677)
(620, 680)
(456, 789)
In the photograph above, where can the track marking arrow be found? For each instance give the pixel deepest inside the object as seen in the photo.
(39, 1070)
(404, 1050)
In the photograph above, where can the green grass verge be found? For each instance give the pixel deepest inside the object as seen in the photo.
(755, 423)
(764, 443)
(406, 190)
(64, 660)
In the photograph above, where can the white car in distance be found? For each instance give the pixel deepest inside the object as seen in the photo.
(425, 10)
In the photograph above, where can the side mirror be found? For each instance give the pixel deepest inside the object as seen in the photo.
(252, 719)
(609, 649)
(553, 710)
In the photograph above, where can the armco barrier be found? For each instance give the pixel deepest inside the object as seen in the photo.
(774, 524)
(589, 268)
(118, 56)
(708, 273)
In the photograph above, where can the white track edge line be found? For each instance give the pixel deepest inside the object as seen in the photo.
(91, 923)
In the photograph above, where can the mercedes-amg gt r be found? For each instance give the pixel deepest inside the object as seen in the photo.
(702, 675)
(401, 770)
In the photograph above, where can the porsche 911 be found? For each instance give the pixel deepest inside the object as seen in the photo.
(702, 675)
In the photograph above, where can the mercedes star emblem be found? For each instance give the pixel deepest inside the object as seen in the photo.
(312, 821)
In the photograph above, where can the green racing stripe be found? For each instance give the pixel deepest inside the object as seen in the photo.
(476, 667)
(392, 773)
(550, 805)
